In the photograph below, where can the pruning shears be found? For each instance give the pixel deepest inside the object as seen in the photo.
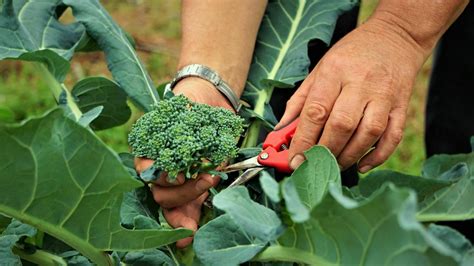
(274, 155)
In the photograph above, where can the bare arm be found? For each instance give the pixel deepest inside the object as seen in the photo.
(221, 34)
(358, 94)
(421, 22)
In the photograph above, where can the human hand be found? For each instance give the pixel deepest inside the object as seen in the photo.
(182, 200)
(357, 96)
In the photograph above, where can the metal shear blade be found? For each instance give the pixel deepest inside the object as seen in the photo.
(246, 176)
(243, 165)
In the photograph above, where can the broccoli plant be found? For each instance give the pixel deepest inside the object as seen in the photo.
(183, 136)
(67, 198)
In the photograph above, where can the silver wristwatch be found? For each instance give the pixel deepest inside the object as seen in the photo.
(204, 72)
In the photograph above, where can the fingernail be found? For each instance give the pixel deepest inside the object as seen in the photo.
(297, 161)
(203, 185)
(364, 169)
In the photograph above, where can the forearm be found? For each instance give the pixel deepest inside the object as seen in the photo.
(221, 34)
(421, 22)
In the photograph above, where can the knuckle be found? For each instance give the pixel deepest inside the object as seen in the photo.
(179, 181)
(345, 163)
(157, 198)
(349, 160)
(375, 128)
(290, 103)
(297, 98)
(302, 141)
(379, 158)
(396, 136)
(317, 113)
(333, 63)
(343, 122)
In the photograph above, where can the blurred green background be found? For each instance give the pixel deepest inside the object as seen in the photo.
(155, 26)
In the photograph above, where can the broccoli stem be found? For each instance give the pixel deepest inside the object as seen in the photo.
(40, 257)
(251, 139)
(58, 89)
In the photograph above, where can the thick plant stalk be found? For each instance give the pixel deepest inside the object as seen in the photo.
(95, 255)
(40, 257)
(58, 89)
(251, 139)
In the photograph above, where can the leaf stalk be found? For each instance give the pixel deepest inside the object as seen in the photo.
(58, 89)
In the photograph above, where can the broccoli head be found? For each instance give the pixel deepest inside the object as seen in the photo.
(183, 136)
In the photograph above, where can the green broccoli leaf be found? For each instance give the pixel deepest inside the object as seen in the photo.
(455, 240)
(238, 235)
(342, 231)
(281, 53)
(99, 91)
(270, 186)
(223, 242)
(69, 185)
(138, 210)
(255, 219)
(30, 31)
(424, 187)
(445, 190)
(314, 176)
(12, 234)
(150, 257)
(298, 211)
(123, 62)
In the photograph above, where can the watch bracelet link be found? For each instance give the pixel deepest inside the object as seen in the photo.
(206, 73)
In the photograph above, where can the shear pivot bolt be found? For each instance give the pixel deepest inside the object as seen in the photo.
(264, 156)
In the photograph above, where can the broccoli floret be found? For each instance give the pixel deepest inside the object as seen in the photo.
(183, 136)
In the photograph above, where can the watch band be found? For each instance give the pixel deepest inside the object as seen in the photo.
(206, 73)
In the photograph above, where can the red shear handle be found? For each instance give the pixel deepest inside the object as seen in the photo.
(275, 159)
(276, 139)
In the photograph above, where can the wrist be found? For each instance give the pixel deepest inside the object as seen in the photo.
(423, 21)
(201, 91)
(233, 75)
(397, 37)
(416, 35)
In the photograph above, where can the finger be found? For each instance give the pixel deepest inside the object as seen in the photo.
(178, 218)
(186, 216)
(174, 216)
(370, 130)
(318, 105)
(388, 142)
(195, 216)
(164, 182)
(343, 120)
(141, 164)
(189, 224)
(294, 105)
(169, 197)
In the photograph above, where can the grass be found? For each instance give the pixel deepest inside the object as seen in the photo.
(156, 28)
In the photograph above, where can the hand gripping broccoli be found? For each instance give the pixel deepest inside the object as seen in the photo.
(183, 136)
